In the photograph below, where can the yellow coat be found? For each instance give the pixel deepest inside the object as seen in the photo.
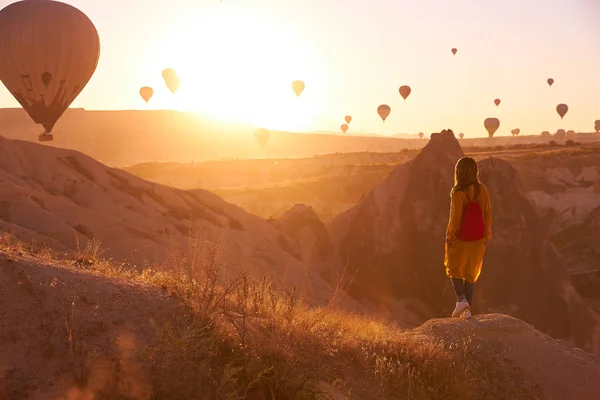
(463, 260)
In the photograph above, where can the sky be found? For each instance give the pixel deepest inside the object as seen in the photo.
(237, 58)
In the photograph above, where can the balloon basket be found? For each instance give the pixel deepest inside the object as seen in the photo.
(45, 137)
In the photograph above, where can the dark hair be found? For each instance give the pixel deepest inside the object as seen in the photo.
(466, 174)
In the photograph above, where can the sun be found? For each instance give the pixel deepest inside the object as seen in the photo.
(237, 64)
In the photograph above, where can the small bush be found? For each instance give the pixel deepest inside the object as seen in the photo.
(236, 224)
(90, 254)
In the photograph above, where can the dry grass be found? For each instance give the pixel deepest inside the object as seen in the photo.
(246, 339)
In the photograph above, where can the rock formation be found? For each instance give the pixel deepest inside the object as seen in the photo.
(393, 241)
(310, 239)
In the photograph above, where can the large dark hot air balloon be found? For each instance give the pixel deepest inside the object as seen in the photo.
(562, 109)
(48, 52)
(383, 111)
(262, 136)
(298, 87)
(146, 92)
(491, 125)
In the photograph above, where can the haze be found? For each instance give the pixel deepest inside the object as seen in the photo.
(237, 58)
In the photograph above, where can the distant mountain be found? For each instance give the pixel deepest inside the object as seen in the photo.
(127, 137)
(407, 135)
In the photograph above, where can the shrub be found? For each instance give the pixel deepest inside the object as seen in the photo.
(236, 224)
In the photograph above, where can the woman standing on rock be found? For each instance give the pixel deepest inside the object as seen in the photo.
(469, 229)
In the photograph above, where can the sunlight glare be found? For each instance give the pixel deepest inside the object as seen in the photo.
(239, 68)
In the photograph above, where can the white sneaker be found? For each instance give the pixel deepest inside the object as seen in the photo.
(466, 314)
(460, 308)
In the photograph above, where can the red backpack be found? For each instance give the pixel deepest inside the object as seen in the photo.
(472, 226)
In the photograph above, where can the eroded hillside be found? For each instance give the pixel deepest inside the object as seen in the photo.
(72, 330)
(65, 199)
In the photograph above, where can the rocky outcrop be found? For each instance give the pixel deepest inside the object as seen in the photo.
(393, 243)
(550, 369)
(392, 240)
(523, 274)
(565, 190)
(309, 237)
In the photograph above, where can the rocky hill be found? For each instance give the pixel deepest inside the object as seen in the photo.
(310, 237)
(65, 199)
(69, 331)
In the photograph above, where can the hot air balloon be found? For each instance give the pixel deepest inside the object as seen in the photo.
(404, 91)
(561, 133)
(545, 133)
(146, 92)
(597, 125)
(262, 136)
(550, 81)
(344, 127)
(348, 119)
(515, 132)
(168, 73)
(383, 111)
(48, 53)
(298, 87)
(454, 51)
(421, 135)
(491, 125)
(562, 109)
(570, 133)
(171, 80)
(461, 135)
(497, 102)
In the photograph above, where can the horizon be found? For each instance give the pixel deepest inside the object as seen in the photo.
(377, 52)
(355, 134)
